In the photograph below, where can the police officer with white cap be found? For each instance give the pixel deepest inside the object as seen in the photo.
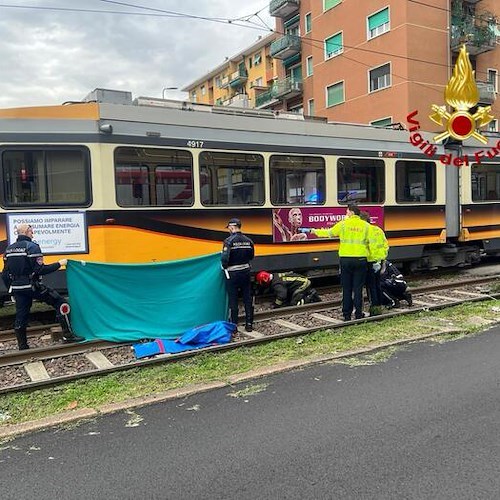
(237, 252)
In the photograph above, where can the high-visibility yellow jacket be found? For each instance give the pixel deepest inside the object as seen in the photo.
(380, 247)
(354, 234)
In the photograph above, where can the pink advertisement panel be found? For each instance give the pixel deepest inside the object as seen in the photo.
(287, 221)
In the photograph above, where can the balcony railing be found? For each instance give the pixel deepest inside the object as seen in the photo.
(281, 89)
(486, 92)
(283, 8)
(285, 47)
(224, 82)
(238, 78)
(477, 39)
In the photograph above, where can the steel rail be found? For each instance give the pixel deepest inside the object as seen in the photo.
(247, 342)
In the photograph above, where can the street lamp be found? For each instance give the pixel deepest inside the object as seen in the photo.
(167, 88)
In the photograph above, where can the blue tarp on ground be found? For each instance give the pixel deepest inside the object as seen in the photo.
(215, 333)
(125, 302)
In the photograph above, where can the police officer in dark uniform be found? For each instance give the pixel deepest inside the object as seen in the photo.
(22, 271)
(237, 252)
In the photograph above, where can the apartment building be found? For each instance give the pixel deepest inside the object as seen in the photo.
(370, 62)
(239, 79)
(376, 61)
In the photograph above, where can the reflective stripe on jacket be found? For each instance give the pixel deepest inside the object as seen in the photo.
(354, 236)
(380, 247)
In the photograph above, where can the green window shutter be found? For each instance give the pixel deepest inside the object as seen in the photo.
(333, 45)
(383, 122)
(335, 94)
(378, 19)
(296, 74)
(328, 4)
(308, 23)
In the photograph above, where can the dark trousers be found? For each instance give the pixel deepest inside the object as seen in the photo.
(240, 281)
(373, 286)
(352, 279)
(24, 300)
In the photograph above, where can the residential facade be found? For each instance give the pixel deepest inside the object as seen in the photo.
(372, 62)
(239, 79)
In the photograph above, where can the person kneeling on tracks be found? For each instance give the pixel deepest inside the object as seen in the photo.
(289, 288)
(394, 287)
(22, 271)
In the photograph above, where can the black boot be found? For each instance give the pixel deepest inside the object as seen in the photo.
(68, 335)
(22, 339)
(249, 320)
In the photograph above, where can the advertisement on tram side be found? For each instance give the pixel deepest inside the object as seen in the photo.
(287, 222)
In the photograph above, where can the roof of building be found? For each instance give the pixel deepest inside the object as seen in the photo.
(261, 42)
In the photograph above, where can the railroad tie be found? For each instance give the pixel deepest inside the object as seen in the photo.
(470, 294)
(36, 371)
(328, 319)
(288, 324)
(442, 297)
(253, 334)
(98, 359)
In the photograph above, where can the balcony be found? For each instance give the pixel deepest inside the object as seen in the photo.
(486, 93)
(285, 47)
(238, 78)
(238, 101)
(477, 39)
(287, 88)
(281, 89)
(283, 8)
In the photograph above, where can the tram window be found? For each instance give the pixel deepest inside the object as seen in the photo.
(153, 177)
(485, 179)
(360, 180)
(46, 177)
(297, 180)
(231, 179)
(415, 181)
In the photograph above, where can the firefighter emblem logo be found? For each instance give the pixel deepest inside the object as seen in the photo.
(461, 93)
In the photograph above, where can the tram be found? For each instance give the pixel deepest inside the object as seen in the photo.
(121, 180)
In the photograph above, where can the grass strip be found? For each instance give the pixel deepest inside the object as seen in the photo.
(30, 405)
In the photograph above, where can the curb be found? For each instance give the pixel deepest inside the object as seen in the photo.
(87, 413)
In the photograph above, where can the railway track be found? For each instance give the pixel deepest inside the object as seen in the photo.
(54, 364)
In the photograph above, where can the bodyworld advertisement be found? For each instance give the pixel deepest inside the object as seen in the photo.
(287, 221)
(56, 232)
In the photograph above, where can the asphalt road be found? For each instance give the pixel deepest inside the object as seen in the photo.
(422, 425)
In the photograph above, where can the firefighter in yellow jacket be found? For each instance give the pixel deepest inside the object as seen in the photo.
(355, 245)
(376, 257)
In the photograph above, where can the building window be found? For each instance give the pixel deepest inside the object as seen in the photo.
(415, 181)
(234, 179)
(485, 180)
(335, 94)
(257, 82)
(297, 180)
(310, 107)
(329, 4)
(308, 22)
(493, 78)
(257, 58)
(203, 90)
(380, 77)
(153, 177)
(378, 23)
(193, 96)
(309, 66)
(38, 176)
(217, 81)
(360, 180)
(383, 122)
(493, 126)
(333, 46)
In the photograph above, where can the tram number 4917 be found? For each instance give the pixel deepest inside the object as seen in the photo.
(195, 144)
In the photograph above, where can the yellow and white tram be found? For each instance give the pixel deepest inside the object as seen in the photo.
(117, 180)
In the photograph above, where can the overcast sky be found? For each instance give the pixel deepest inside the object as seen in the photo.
(51, 56)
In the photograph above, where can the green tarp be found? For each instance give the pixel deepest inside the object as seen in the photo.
(124, 302)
